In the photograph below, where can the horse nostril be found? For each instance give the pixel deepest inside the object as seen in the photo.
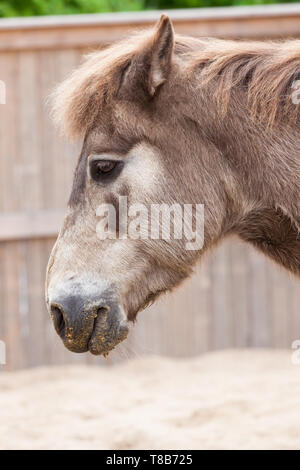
(102, 310)
(58, 319)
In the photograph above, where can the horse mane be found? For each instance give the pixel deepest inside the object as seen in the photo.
(266, 71)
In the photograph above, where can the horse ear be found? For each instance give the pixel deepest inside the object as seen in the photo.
(162, 51)
(149, 69)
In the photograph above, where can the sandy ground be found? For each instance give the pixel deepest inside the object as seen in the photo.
(224, 400)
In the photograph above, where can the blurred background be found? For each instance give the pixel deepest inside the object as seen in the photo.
(71, 7)
(236, 298)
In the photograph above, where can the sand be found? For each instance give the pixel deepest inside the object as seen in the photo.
(246, 399)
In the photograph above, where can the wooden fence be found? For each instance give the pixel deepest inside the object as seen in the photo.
(236, 298)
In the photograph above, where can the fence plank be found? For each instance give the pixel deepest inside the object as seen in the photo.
(222, 333)
(270, 21)
(239, 288)
(258, 296)
(30, 224)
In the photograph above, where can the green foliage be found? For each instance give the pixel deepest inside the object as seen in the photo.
(66, 7)
(161, 4)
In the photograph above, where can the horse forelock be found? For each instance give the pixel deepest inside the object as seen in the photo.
(80, 98)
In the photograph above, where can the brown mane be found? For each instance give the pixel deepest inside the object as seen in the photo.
(265, 70)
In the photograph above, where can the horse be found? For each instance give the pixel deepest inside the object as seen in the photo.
(171, 120)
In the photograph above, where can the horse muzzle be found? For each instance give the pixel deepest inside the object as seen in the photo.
(87, 321)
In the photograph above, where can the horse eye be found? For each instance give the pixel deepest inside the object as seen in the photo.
(102, 169)
(104, 166)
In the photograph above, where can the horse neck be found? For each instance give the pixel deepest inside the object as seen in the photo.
(264, 160)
